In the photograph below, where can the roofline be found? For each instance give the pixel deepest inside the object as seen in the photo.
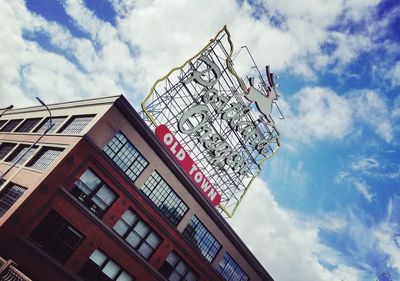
(60, 105)
(141, 127)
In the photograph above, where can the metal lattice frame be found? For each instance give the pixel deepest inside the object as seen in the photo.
(172, 95)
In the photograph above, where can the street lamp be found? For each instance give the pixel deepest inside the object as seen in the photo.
(4, 109)
(32, 145)
(50, 118)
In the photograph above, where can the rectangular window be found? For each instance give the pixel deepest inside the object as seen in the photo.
(44, 158)
(137, 233)
(46, 123)
(28, 125)
(2, 122)
(93, 193)
(5, 148)
(126, 156)
(10, 126)
(9, 196)
(201, 238)
(100, 267)
(21, 154)
(175, 269)
(76, 124)
(165, 198)
(57, 237)
(230, 270)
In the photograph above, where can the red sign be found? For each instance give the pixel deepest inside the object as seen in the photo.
(180, 155)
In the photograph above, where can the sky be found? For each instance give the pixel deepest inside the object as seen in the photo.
(327, 205)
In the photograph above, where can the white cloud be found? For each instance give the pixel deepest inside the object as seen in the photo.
(384, 235)
(394, 74)
(378, 240)
(367, 166)
(397, 240)
(130, 56)
(308, 24)
(348, 47)
(364, 164)
(396, 108)
(370, 108)
(316, 113)
(363, 189)
(357, 183)
(278, 233)
(387, 235)
(320, 114)
(34, 71)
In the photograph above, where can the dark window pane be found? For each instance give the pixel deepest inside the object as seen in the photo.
(2, 122)
(22, 153)
(76, 124)
(44, 158)
(55, 236)
(93, 193)
(28, 125)
(5, 148)
(121, 228)
(126, 156)
(89, 181)
(91, 272)
(10, 126)
(174, 268)
(230, 270)
(45, 125)
(162, 195)
(111, 269)
(145, 250)
(99, 267)
(199, 236)
(124, 277)
(137, 233)
(8, 196)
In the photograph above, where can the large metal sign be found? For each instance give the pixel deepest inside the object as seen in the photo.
(223, 121)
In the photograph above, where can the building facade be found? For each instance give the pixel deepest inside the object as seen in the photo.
(98, 197)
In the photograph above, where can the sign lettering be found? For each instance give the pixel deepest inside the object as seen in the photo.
(168, 139)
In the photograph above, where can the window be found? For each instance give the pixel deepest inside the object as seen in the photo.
(21, 154)
(46, 123)
(10, 125)
(28, 125)
(126, 156)
(230, 270)
(5, 148)
(76, 124)
(57, 237)
(44, 158)
(137, 233)
(93, 193)
(199, 236)
(9, 196)
(162, 195)
(174, 269)
(99, 267)
(2, 122)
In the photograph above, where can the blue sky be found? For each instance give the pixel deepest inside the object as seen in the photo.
(331, 195)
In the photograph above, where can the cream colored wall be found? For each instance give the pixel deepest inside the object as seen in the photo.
(30, 178)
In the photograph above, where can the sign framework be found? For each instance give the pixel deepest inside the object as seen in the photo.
(220, 121)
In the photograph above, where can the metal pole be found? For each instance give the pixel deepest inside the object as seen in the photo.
(32, 145)
(5, 109)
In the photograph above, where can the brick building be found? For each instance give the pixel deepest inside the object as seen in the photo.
(98, 197)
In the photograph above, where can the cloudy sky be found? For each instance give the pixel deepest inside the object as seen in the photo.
(327, 206)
